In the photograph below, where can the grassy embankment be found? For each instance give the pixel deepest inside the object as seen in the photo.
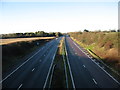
(15, 49)
(61, 76)
(101, 45)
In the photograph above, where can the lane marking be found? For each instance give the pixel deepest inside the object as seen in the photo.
(94, 81)
(21, 65)
(51, 76)
(18, 67)
(20, 86)
(33, 69)
(84, 66)
(50, 69)
(66, 77)
(99, 66)
(69, 67)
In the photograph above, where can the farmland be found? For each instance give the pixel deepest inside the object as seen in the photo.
(14, 40)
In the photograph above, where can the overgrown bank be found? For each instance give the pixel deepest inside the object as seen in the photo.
(12, 53)
(102, 44)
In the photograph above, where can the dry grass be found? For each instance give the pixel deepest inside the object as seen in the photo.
(13, 40)
(104, 45)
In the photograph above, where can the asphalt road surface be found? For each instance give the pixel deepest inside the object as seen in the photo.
(86, 73)
(33, 72)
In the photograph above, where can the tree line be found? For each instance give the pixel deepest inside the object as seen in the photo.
(31, 34)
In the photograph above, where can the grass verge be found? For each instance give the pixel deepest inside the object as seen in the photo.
(61, 75)
(107, 66)
(58, 78)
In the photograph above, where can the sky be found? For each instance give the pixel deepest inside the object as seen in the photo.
(57, 16)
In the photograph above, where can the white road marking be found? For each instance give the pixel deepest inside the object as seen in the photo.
(94, 81)
(84, 66)
(65, 71)
(33, 69)
(19, 66)
(51, 75)
(50, 69)
(20, 86)
(103, 67)
(99, 66)
(69, 67)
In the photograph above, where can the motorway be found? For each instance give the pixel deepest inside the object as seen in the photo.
(33, 72)
(85, 72)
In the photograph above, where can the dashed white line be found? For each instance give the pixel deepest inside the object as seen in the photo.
(99, 66)
(84, 66)
(20, 86)
(33, 69)
(94, 81)
(19, 66)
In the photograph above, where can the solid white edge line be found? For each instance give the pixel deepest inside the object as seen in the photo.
(99, 66)
(20, 86)
(69, 68)
(94, 81)
(49, 69)
(20, 65)
(65, 71)
(51, 76)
